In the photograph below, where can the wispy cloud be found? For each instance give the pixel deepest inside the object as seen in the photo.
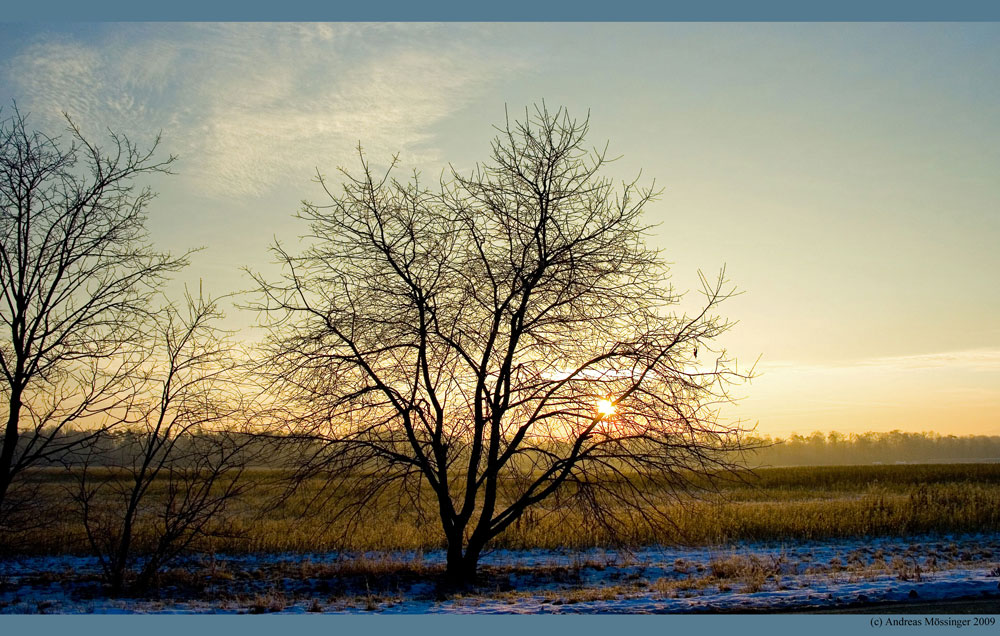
(972, 359)
(250, 106)
(984, 359)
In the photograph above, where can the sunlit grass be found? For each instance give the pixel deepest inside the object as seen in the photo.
(782, 504)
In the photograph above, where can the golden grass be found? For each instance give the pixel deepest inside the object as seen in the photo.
(776, 505)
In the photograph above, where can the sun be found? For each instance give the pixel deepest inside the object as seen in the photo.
(606, 408)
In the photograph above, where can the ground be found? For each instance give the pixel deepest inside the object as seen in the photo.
(922, 574)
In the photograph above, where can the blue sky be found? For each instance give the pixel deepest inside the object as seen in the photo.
(847, 175)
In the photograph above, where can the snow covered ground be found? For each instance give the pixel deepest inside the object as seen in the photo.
(753, 577)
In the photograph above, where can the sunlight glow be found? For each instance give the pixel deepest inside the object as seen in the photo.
(606, 408)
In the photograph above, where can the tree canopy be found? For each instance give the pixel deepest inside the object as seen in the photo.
(502, 336)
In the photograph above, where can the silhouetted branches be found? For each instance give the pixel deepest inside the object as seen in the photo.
(76, 276)
(464, 336)
(178, 460)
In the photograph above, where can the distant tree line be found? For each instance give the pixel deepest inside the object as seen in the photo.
(118, 448)
(819, 449)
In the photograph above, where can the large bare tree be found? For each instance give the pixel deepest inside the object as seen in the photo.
(501, 337)
(76, 275)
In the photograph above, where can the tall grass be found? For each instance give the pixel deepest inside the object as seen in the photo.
(781, 504)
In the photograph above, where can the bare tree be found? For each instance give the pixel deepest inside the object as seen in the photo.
(501, 338)
(166, 477)
(76, 275)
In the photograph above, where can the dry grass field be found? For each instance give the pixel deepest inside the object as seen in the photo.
(776, 504)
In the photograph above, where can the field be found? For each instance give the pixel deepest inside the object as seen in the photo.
(776, 504)
(782, 537)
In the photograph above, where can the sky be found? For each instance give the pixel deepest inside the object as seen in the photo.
(846, 175)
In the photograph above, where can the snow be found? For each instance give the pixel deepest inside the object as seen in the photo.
(750, 577)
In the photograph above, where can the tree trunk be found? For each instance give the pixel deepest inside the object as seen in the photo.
(461, 566)
(120, 559)
(471, 561)
(454, 572)
(10, 439)
(117, 579)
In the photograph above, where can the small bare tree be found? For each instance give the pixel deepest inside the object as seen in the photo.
(500, 338)
(165, 476)
(76, 276)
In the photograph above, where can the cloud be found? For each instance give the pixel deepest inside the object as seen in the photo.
(981, 360)
(251, 106)
(957, 380)
(972, 359)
